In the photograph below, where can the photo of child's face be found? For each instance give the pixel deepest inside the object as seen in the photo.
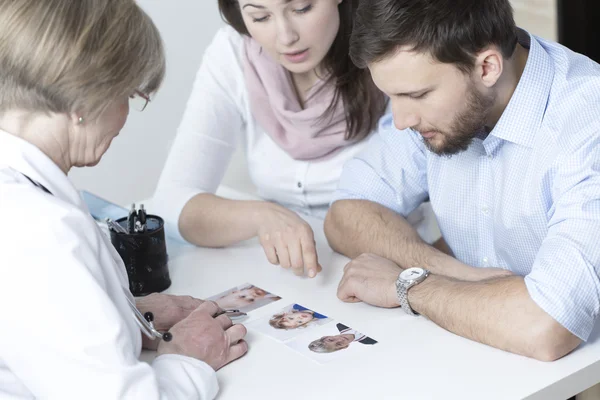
(241, 298)
(245, 298)
(295, 320)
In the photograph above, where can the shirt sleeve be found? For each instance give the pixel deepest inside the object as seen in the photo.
(564, 280)
(207, 135)
(63, 336)
(391, 171)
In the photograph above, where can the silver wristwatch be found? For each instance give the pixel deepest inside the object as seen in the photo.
(407, 279)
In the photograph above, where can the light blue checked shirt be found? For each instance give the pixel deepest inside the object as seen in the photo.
(526, 199)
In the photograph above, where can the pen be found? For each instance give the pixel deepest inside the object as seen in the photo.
(131, 219)
(142, 218)
(115, 226)
(232, 313)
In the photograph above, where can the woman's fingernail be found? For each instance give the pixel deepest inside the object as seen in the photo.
(311, 273)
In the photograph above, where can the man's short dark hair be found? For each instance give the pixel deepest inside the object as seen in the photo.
(452, 31)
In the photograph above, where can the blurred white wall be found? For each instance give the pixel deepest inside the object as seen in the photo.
(130, 169)
(537, 16)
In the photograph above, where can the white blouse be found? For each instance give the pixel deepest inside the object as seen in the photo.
(67, 329)
(216, 120)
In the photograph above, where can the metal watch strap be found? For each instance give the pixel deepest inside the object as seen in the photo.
(402, 291)
(402, 287)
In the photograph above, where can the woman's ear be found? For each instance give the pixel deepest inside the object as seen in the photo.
(76, 119)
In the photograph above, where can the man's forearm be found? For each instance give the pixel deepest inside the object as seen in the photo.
(497, 312)
(354, 227)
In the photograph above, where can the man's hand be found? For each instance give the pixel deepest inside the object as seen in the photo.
(168, 310)
(371, 279)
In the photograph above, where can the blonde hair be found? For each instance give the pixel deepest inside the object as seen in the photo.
(66, 56)
(277, 322)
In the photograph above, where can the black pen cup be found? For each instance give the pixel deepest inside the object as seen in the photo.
(145, 256)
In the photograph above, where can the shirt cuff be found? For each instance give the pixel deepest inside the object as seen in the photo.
(192, 378)
(568, 315)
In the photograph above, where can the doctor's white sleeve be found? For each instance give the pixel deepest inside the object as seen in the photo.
(65, 337)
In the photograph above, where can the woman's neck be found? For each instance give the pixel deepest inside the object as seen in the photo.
(303, 83)
(49, 133)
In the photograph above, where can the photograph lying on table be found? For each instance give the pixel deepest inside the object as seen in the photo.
(330, 342)
(245, 298)
(289, 322)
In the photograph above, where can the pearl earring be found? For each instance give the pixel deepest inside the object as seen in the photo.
(80, 120)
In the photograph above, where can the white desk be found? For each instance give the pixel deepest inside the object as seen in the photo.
(415, 359)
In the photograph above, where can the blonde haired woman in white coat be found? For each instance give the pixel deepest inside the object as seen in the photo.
(67, 72)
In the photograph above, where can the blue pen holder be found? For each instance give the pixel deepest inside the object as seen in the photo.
(145, 256)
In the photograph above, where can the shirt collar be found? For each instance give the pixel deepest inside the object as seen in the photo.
(27, 159)
(526, 109)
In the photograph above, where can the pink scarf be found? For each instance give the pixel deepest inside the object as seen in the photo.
(302, 133)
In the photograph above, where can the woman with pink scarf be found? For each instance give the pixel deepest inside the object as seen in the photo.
(279, 82)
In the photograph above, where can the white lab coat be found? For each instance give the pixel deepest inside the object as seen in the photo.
(66, 329)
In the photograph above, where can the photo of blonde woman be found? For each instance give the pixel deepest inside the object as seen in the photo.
(289, 322)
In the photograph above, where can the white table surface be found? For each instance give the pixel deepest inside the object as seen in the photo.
(414, 359)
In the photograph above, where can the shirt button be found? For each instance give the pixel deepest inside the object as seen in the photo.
(485, 260)
(299, 185)
(485, 210)
(490, 156)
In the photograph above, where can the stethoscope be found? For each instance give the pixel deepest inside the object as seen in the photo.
(144, 321)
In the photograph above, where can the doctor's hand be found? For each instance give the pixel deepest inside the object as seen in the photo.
(167, 310)
(287, 239)
(214, 340)
(372, 279)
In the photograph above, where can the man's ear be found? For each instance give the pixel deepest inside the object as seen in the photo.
(489, 65)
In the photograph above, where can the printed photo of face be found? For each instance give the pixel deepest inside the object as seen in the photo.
(329, 344)
(244, 298)
(291, 320)
(288, 322)
(331, 341)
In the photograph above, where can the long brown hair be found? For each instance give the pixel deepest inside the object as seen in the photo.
(363, 103)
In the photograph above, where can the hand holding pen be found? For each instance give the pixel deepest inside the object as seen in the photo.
(206, 336)
(232, 313)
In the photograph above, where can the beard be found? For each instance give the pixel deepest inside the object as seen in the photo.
(465, 126)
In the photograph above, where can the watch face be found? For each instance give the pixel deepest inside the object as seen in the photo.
(412, 273)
